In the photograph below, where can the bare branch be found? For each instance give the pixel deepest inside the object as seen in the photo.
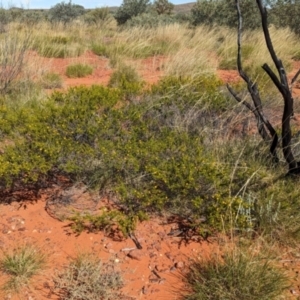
(295, 77)
(273, 77)
(285, 91)
(262, 122)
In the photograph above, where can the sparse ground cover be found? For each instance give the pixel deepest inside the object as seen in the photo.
(160, 137)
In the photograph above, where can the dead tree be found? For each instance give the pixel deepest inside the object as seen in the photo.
(265, 129)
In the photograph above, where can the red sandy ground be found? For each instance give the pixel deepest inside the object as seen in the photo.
(30, 223)
(162, 255)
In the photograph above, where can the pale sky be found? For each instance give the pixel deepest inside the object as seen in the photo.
(85, 3)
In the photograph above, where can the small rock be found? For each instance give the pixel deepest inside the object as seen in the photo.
(111, 251)
(161, 268)
(157, 246)
(169, 255)
(117, 260)
(162, 235)
(152, 254)
(135, 254)
(145, 290)
(108, 246)
(179, 265)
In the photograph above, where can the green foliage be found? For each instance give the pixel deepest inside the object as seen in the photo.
(151, 20)
(285, 14)
(12, 58)
(202, 91)
(229, 57)
(228, 278)
(151, 155)
(5, 18)
(101, 50)
(296, 56)
(31, 18)
(57, 47)
(107, 221)
(57, 135)
(65, 12)
(163, 7)
(51, 81)
(129, 9)
(98, 16)
(16, 13)
(78, 70)
(21, 264)
(223, 13)
(87, 278)
(126, 79)
(57, 51)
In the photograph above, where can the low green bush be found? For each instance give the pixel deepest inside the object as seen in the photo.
(78, 70)
(164, 152)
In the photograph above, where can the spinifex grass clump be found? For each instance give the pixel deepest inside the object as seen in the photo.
(57, 46)
(21, 264)
(126, 79)
(88, 278)
(51, 81)
(78, 70)
(235, 275)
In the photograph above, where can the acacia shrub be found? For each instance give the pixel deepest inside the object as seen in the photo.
(150, 154)
(65, 12)
(223, 13)
(129, 9)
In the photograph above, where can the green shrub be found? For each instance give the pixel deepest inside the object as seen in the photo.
(88, 278)
(129, 9)
(163, 7)
(284, 14)
(51, 81)
(228, 278)
(152, 155)
(98, 16)
(78, 70)
(106, 221)
(65, 12)
(57, 135)
(151, 20)
(5, 19)
(223, 13)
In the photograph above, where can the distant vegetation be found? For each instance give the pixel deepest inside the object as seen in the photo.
(282, 13)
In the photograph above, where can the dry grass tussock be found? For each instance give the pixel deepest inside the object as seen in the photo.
(190, 51)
